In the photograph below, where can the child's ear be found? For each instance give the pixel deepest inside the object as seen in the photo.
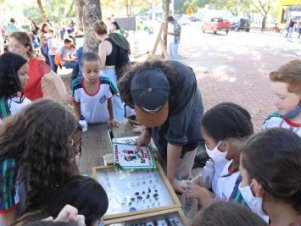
(225, 146)
(257, 188)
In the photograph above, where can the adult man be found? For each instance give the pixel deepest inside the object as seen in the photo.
(174, 45)
(167, 101)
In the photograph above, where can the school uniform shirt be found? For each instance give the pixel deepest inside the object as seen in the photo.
(226, 183)
(13, 193)
(275, 120)
(9, 106)
(218, 169)
(9, 198)
(94, 107)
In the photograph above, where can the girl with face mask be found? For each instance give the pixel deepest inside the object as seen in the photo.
(224, 129)
(270, 167)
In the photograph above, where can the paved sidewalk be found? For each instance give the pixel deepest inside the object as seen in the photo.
(235, 68)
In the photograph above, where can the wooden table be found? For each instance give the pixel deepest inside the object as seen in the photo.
(96, 143)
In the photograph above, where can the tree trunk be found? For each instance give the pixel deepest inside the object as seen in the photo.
(91, 14)
(263, 24)
(79, 14)
(42, 11)
(167, 2)
(127, 8)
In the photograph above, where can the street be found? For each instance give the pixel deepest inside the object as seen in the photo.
(235, 67)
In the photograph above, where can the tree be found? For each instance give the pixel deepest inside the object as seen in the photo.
(263, 7)
(42, 11)
(79, 14)
(91, 13)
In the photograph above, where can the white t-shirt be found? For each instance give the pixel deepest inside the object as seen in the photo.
(277, 121)
(94, 107)
(11, 106)
(218, 168)
(226, 183)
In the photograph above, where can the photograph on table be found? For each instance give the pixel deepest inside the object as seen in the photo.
(126, 156)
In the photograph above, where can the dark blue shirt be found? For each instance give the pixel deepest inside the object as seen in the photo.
(182, 126)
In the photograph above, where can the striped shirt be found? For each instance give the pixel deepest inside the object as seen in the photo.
(9, 106)
(9, 198)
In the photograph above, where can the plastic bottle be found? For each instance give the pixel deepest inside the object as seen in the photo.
(207, 175)
(83, 123)
(189, 206)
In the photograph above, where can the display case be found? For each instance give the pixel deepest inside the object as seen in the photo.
(133, 192)
(173, 217)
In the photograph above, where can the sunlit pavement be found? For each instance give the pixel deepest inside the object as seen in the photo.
(235, 67)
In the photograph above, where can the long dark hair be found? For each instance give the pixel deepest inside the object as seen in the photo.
(10, 64)
(84, 193)
(273, 158)
(38, 139)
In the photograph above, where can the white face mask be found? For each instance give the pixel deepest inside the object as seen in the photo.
(215, 154)
(254, 203)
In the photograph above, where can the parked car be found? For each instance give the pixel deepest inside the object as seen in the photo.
(217, 24)
(194, 19)
(184, 20)
(241, 24)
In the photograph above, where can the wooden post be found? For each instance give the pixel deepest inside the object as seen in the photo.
(159, 40)
(166, 15)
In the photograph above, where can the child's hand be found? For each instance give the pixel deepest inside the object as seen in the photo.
(180, 186)
(196, 180)
(114, 123)
(69, 214)
(203, 195)
(68, 99)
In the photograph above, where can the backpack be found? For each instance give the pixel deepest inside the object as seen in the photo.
(123, 50)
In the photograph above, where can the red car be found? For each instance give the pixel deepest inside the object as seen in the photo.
(216, 24)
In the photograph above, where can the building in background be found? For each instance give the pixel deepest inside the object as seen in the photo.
(289, 9)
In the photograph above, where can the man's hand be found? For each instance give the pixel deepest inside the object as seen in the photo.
(114, 123)
(143, 139)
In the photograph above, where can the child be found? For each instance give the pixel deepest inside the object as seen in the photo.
(67, 57)
(36, 156)
(13, 76)
(52, 44)
(93, 93)
(227, 214)
(286, 85)
(92, 203)
(223, 127)
(270, 167)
